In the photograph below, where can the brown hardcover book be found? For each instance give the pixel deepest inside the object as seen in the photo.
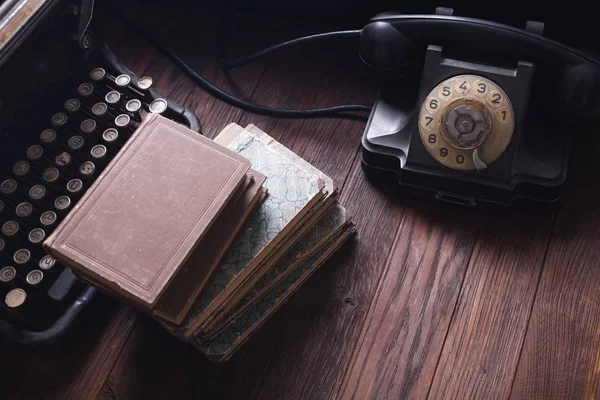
(185, 288)
(141, 219)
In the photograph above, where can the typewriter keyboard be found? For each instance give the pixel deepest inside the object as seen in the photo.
(48, 180)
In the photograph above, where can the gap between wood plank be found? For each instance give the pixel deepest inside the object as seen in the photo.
(537, 287)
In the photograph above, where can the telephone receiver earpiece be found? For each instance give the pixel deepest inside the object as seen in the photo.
(390, 43)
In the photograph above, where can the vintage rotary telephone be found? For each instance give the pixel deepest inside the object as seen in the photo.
(474, 112)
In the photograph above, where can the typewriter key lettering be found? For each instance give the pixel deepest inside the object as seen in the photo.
(63, 159)
(87, 168)
(37, 235)
(35, 152)
(21, 168)
(48, 136)
(24, 210)
(51, 175)
(62, 203)
(100, 109)
(122, 120)
(110, 135)
(85, 89)
(37, 192)
(72, 105)
(48, 218)
(34, 277)
(133, 105)
(123, 80)
(145, 82)
(97, 74)
(9, 186)
(158, 106)
(88, 126)
(15, 298)
(7, 274)
(10, 228)
(76, 142)
(74, 185)
(22, 256)
(47, 262)
(112, 97)
(59, 119)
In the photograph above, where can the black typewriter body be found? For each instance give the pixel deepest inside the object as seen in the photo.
(67, 105)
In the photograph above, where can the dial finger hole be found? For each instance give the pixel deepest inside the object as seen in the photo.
(494, 99)
(462, 86)
(428, 122)
(432, 105)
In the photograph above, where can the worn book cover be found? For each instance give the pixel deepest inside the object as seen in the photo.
(293, 194)
(221, 347)
(140, 220)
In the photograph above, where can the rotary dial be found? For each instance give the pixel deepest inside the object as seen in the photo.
(466, 122)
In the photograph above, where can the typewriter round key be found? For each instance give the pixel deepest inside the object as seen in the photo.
(22, 256)
(59, 119)
(112, 97)
(48, 218)
(9, 186)
(63, 159)
(122, 120)
(466, 122)
(123, 80)
(85, 89)
(158, 106)
(87, 169)
(48, 136)
(7, 274)
(98, 152)
(111, 135)
(35, 152)
(46, 263)
(100, 109)
(51, 175)
(37, 192)
(88, 126)
(133, 105)
(34, 277)
(21, 168)
(37, 235)
(72, 105)
(10, 228)
(75, 185)
(15, 298)
(144, 83)
(24, 210)
(97, 74)
(76, 142)
(62, 203)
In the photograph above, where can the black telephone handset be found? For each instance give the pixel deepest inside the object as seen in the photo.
(474, 112)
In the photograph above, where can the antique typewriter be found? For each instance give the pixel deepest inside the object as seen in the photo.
(67, 105)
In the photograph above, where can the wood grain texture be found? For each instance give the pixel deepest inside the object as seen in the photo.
(482, 347)
(412, 309)
(561, 354)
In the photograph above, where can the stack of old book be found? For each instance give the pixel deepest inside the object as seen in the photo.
(209, 237)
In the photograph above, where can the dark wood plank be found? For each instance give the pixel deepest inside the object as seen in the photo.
(405, 329)
(561, 354)
(482, 348)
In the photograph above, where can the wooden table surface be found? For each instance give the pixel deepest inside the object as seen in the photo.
(428, 301)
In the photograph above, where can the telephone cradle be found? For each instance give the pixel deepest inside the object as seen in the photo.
(474, 112)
